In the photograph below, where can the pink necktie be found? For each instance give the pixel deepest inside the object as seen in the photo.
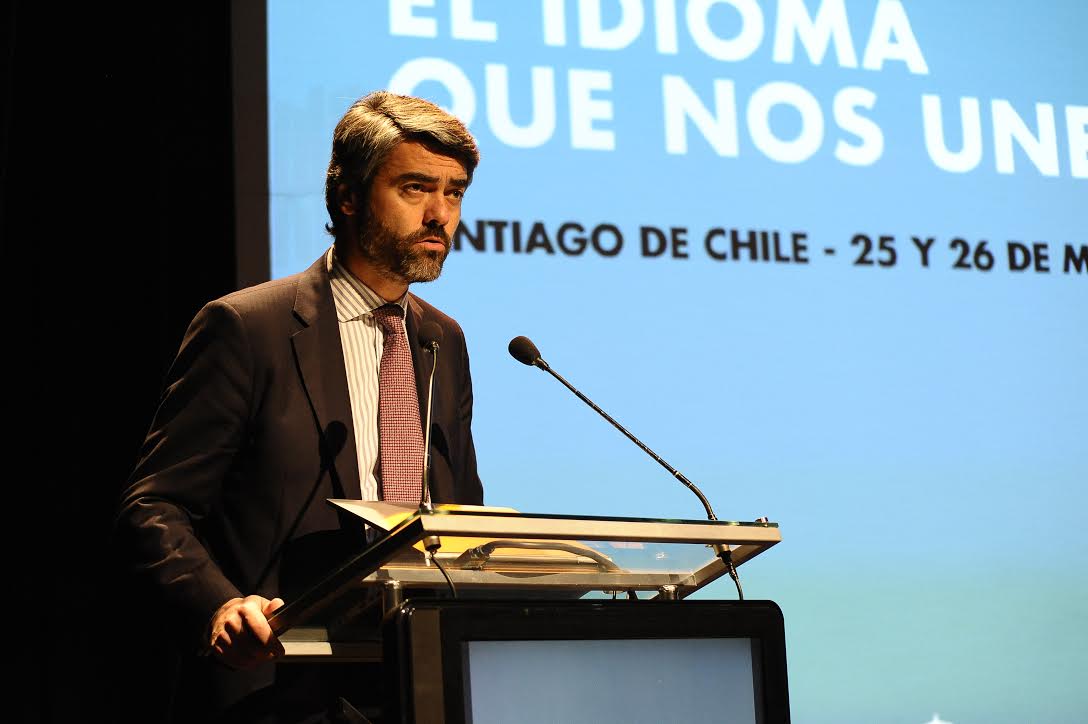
(400, 435)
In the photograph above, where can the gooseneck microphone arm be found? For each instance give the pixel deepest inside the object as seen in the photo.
(430, 337)
(673, 471)
(523, 350)
(424, 500)
(430, 341)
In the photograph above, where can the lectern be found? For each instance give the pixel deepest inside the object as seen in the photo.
(489, 615)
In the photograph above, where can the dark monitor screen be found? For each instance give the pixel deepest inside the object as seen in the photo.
(582, 661)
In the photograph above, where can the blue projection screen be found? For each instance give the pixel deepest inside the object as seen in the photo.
(827, 258)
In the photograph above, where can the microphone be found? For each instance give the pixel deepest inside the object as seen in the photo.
(430, 337)
(523, 350)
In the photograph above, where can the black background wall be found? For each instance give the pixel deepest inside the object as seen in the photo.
(118, 225)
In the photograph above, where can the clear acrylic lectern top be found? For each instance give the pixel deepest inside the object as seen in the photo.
(499, 551)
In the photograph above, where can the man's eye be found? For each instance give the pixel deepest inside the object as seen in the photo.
(413, 187)
(457, 194)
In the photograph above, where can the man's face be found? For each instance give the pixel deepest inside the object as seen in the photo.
(415, 206)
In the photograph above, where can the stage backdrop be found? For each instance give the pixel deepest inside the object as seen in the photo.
(829, 259)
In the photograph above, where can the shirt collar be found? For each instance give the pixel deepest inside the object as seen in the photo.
(352, 297)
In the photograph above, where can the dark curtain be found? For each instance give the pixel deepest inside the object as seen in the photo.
(118, 224)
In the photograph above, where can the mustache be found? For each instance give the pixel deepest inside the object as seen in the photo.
(429, 233)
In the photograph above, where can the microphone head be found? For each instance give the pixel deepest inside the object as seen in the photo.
(332, 441)
(523, 350)
(430, 335)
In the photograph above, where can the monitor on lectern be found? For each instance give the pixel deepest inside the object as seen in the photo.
(637, 661)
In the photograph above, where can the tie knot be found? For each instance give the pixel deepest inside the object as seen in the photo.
(389, 316)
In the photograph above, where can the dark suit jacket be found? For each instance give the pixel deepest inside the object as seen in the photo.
(254, 432)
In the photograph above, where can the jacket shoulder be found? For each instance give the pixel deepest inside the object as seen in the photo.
(431, 313)
(267, 295)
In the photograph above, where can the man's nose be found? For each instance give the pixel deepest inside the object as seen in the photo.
(438, 211)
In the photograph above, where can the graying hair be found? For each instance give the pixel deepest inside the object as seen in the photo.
(374, 126)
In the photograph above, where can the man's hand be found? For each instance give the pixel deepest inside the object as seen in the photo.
(239, 634)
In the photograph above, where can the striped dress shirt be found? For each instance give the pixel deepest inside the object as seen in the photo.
(363, 341)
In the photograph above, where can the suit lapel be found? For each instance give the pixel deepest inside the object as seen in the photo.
(320, 359)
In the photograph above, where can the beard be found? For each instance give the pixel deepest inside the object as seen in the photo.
(399, 257)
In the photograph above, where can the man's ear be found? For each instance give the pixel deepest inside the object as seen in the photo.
(347, 200)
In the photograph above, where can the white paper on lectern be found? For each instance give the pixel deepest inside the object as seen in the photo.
(386, 516)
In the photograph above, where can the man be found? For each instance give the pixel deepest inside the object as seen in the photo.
(302, 389)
